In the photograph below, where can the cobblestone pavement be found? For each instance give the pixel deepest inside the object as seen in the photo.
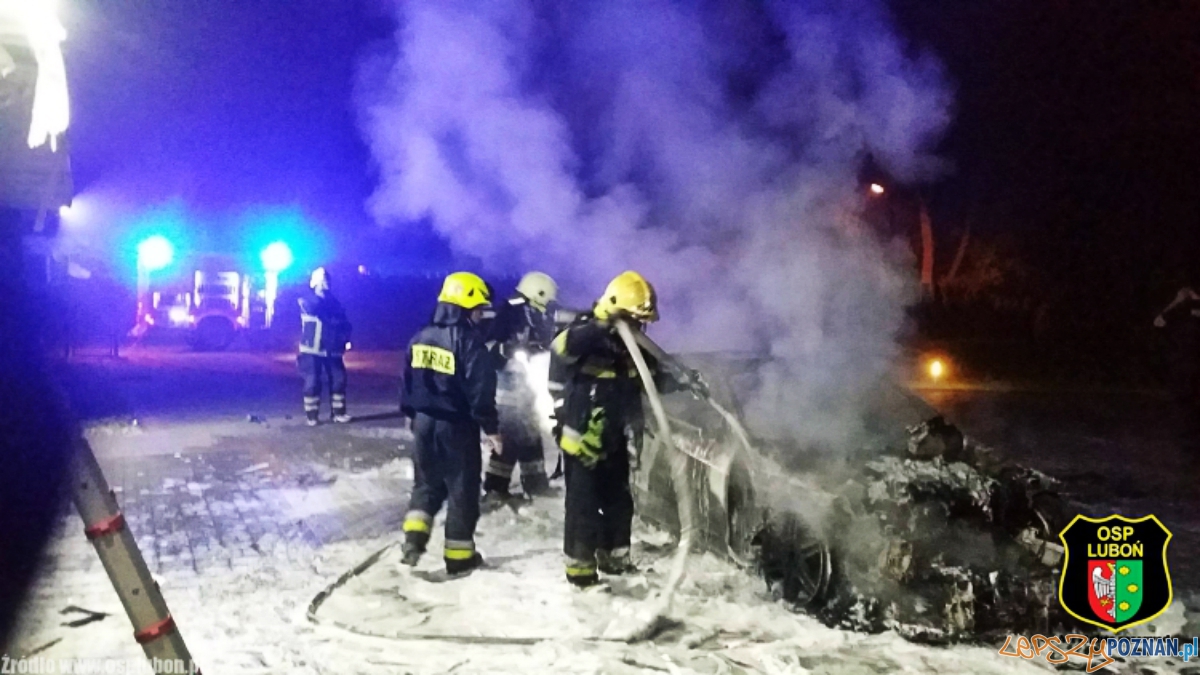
(219, 500)
(214, 504)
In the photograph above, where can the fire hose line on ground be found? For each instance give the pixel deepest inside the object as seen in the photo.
(646, 625)
(366, 564)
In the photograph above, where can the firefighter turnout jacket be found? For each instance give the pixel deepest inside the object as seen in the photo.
(520, 325)
(449, 374)
(596, 387)
(324, 328)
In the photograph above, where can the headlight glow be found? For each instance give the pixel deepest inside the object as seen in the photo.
(179, 315)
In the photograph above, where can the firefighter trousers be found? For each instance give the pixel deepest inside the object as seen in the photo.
(322, 372)
(522, 445)
(599, 508)
(516, 403)
(447, 462)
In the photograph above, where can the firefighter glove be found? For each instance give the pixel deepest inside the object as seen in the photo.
(587, 456)
(586, 446)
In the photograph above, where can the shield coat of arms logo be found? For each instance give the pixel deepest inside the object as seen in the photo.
(1115, 571)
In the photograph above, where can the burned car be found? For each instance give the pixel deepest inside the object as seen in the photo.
(916, 529)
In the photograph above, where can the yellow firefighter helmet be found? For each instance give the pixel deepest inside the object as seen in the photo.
(539, 289)
(629, 294)
(465, 290)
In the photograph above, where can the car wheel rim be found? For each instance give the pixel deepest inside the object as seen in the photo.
(795, 563)
(811, 574)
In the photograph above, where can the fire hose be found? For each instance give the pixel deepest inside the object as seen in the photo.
(681, 484)
(735, 425)
(315, 605)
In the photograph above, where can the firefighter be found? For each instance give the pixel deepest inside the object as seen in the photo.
(599, 417)
(324, 337)
(523, 327)
(450, 396)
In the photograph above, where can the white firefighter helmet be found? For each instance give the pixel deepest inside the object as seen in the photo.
(539, 289)
(319, 281)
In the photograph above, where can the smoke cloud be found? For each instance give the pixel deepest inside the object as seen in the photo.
(712, 146)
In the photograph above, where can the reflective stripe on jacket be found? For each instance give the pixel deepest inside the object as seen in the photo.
(595, 384)
(449, 373)
(324, 328)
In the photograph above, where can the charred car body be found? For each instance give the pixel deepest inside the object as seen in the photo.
(914, 529)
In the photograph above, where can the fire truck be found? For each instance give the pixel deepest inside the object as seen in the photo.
(209, 298)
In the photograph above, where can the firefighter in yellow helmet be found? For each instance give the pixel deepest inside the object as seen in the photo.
(598, 411)
(449, 394)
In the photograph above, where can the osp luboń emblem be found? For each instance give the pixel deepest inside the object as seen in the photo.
(1115, 571)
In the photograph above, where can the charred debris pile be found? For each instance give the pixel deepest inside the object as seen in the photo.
(941, 541)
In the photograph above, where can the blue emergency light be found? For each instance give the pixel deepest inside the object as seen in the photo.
(276, 257)
(155, 253)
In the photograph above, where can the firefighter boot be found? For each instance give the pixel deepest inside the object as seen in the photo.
(534, 481)
(457, 567)
(416, 536)
(616, 562)
(410, 554)
(497, 476)
(312, 404)
(494, 500)
(338, 403)
(582, 573)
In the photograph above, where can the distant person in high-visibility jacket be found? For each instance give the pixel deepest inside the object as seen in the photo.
(449, 394)
(324, 338)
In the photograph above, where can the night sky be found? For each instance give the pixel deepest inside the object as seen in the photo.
(222, 104)
(1076, 136)
(1076, 132)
